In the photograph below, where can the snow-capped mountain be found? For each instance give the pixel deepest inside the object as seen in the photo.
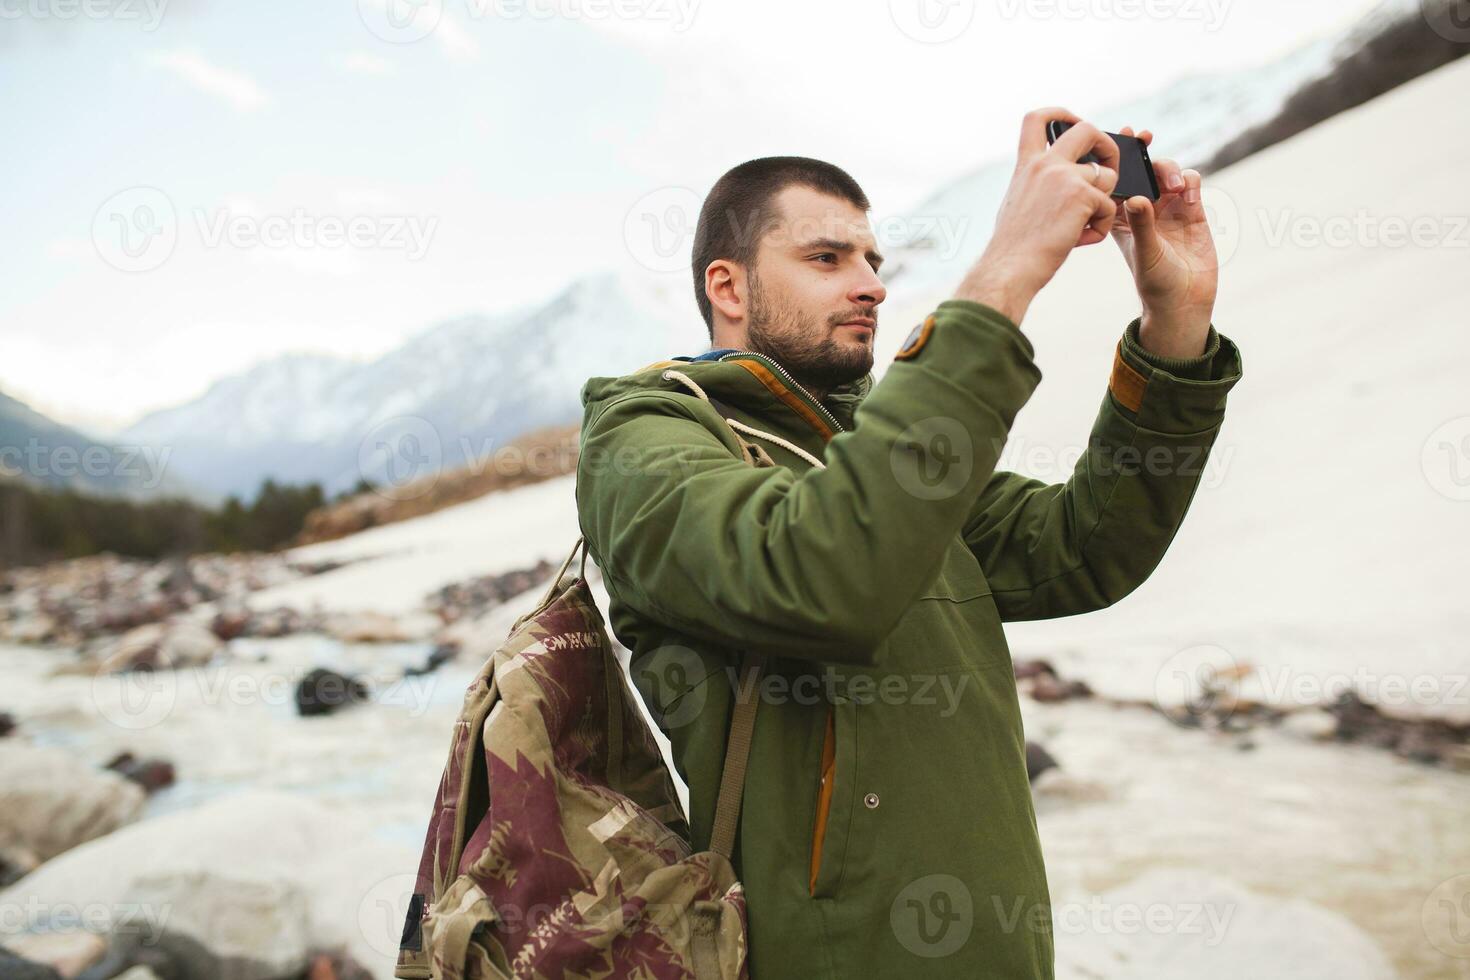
(461, 389)
(40, 451)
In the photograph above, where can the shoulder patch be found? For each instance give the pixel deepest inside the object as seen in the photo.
(916, 339)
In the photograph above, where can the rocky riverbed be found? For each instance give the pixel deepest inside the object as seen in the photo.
(184, 811)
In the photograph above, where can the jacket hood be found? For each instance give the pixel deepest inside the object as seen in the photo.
(745, 380)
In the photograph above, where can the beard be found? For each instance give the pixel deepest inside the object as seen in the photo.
(805, 344)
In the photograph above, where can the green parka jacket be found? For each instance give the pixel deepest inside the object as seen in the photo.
(887, 828)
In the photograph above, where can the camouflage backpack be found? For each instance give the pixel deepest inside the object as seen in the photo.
(556, 846)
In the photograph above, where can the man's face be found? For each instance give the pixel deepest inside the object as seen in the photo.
(814, 289)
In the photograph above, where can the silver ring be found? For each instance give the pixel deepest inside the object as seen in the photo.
(1096, 170)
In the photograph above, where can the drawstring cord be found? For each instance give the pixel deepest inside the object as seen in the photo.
(684, 379)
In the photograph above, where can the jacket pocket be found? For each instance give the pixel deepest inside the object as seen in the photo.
(832, 819)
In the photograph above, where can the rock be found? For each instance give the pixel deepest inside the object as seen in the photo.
(1313, 723)
(161, 646)
(1026, 669)
(367, 627)
(1038, 761)
(324, 691)
(1039, 679)
(52, 801)
(13, 967)
(35, 628)
(68, 953)
(248, 886)
(440, 655)
(230, 623)
(325, 966)
(1049, 688)
(281, 621)
(151, 774)
(178, 883)
(137, 973)
(15, 863)
(475, 596)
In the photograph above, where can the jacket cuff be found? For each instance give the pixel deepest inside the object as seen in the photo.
(1173, 394)
(1193, 368)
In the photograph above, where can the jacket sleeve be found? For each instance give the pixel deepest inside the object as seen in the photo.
(820, 564)
(1052, 550)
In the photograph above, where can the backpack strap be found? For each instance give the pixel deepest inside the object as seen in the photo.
(742, 723)
(737, 753)
(747, 699)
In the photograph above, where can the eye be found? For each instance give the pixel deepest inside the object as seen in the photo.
(825, 256)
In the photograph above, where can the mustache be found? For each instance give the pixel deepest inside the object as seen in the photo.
(858, 312)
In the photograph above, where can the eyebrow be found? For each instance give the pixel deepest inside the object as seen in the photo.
(838, 245)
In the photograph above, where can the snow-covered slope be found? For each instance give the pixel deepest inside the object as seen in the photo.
(1325, 542)
(460, 389)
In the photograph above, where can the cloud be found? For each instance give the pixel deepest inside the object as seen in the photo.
(236, 88)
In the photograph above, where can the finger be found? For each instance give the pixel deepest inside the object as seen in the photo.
(1193, 183)
(1143, 223)
(1169, 176)
(1033, 129)
(1147, 136)
(1104, 211)
(1102, 178)
(1084, 138)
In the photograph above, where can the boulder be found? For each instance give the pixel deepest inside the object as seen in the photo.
(224, 889)
(68, 953)
(151, 774)
(324, 691)
(51, 801)
(13, 967)
(161, 646)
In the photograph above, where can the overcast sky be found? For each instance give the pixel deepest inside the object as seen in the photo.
(190, 187)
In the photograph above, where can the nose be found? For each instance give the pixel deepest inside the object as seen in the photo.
(869, 291)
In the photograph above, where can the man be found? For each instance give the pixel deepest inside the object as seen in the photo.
(887, 828)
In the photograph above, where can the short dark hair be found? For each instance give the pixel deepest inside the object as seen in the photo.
(739, 209)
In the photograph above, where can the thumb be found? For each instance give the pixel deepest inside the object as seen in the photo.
(1143, 224)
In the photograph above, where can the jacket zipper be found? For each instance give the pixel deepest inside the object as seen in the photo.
(786, 376)
(819, 833)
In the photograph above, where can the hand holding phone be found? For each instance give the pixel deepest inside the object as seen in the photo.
(1135, 169)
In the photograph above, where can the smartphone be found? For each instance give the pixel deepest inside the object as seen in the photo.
(1135, 169)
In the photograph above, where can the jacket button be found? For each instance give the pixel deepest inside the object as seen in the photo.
(871, 801)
